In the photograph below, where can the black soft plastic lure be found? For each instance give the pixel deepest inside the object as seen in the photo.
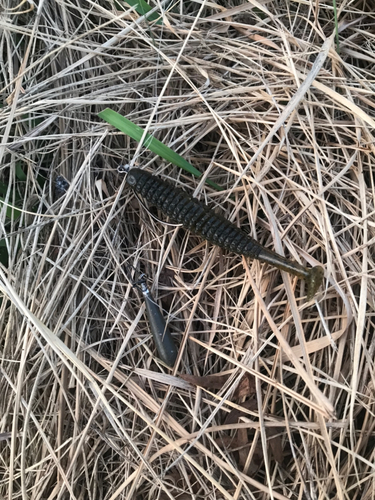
(199, 219)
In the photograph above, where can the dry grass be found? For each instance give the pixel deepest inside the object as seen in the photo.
(257, 97)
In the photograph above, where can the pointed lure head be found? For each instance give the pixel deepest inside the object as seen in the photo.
(133, 174)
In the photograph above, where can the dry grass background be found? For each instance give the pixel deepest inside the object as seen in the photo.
(87, 411)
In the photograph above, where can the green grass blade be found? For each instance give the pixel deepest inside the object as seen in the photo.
(142, 8)
(132, 130)
(11, 212)
(20, 174)
(3, 188)
(336, 26)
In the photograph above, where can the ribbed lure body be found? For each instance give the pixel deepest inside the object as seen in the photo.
(199, 219)
(192, 214)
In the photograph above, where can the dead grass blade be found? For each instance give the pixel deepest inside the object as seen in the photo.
(254, 96)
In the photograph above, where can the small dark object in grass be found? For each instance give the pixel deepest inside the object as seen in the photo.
(61, 186)
(162, 336)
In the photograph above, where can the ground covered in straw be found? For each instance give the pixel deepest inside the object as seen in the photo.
(272, 396)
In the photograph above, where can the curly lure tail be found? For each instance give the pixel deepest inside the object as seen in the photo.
(199, 219)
